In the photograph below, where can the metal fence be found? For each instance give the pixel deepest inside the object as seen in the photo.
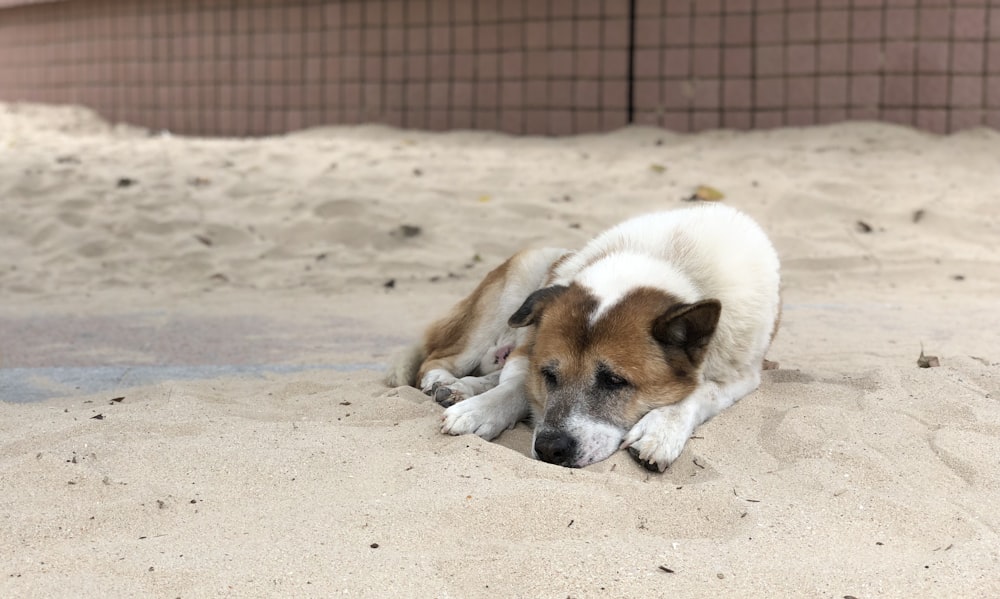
(254, 67)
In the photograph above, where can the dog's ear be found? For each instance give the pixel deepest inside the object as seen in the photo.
(688, 328)
(531, 309)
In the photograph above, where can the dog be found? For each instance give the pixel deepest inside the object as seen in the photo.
(655, 326)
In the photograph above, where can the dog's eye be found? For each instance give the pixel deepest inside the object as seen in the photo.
(551, 379)
(610, 381)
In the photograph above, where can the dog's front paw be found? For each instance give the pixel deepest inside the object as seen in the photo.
(657, 439)
(471, 418)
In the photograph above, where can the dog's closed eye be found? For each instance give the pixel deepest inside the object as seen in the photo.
(609, 381)
(551, 376)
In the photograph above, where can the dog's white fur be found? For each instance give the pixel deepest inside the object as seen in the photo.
(708, 251)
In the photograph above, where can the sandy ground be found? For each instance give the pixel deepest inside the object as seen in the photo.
(191, 333)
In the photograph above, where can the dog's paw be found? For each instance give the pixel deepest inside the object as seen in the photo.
(435, 379)
(471, 418)
(447, 395)
(657, 439)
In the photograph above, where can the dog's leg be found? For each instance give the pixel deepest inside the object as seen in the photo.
(659, 437)
(493, 411)
(439, 377)
(450, 393)
(475, 335)
(454, 371)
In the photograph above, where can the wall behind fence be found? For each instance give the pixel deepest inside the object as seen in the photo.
(252, 67)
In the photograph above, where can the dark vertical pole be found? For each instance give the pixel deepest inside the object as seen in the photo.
(753, 65)
(987, 68)
(631, 62)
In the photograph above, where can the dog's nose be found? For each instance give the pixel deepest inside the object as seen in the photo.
(555, 447)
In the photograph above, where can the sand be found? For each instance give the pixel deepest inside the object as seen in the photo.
(192, 332)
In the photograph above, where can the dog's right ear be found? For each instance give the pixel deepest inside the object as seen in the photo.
(531, 309)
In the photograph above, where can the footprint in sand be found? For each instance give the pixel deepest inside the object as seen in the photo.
(73, 219)
(94, 249)
(75, 213)
(343, 208)
(162, 227)
(223, 235)
(311, 233)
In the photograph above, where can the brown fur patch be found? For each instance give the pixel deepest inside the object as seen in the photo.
(623, 336)
(446, 338)
(621, 339)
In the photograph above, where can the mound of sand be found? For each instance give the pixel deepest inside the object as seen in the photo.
(206, 320)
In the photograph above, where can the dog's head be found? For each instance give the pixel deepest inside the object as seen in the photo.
(597, 367)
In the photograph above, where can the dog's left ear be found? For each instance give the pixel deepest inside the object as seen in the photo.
(688, 328)
(531, 310)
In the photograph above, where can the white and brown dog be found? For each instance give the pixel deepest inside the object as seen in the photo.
(652, 328)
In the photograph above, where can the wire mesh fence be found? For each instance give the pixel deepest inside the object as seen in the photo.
(253, 67)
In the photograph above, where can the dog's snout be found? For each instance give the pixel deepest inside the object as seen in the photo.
(555, 447)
